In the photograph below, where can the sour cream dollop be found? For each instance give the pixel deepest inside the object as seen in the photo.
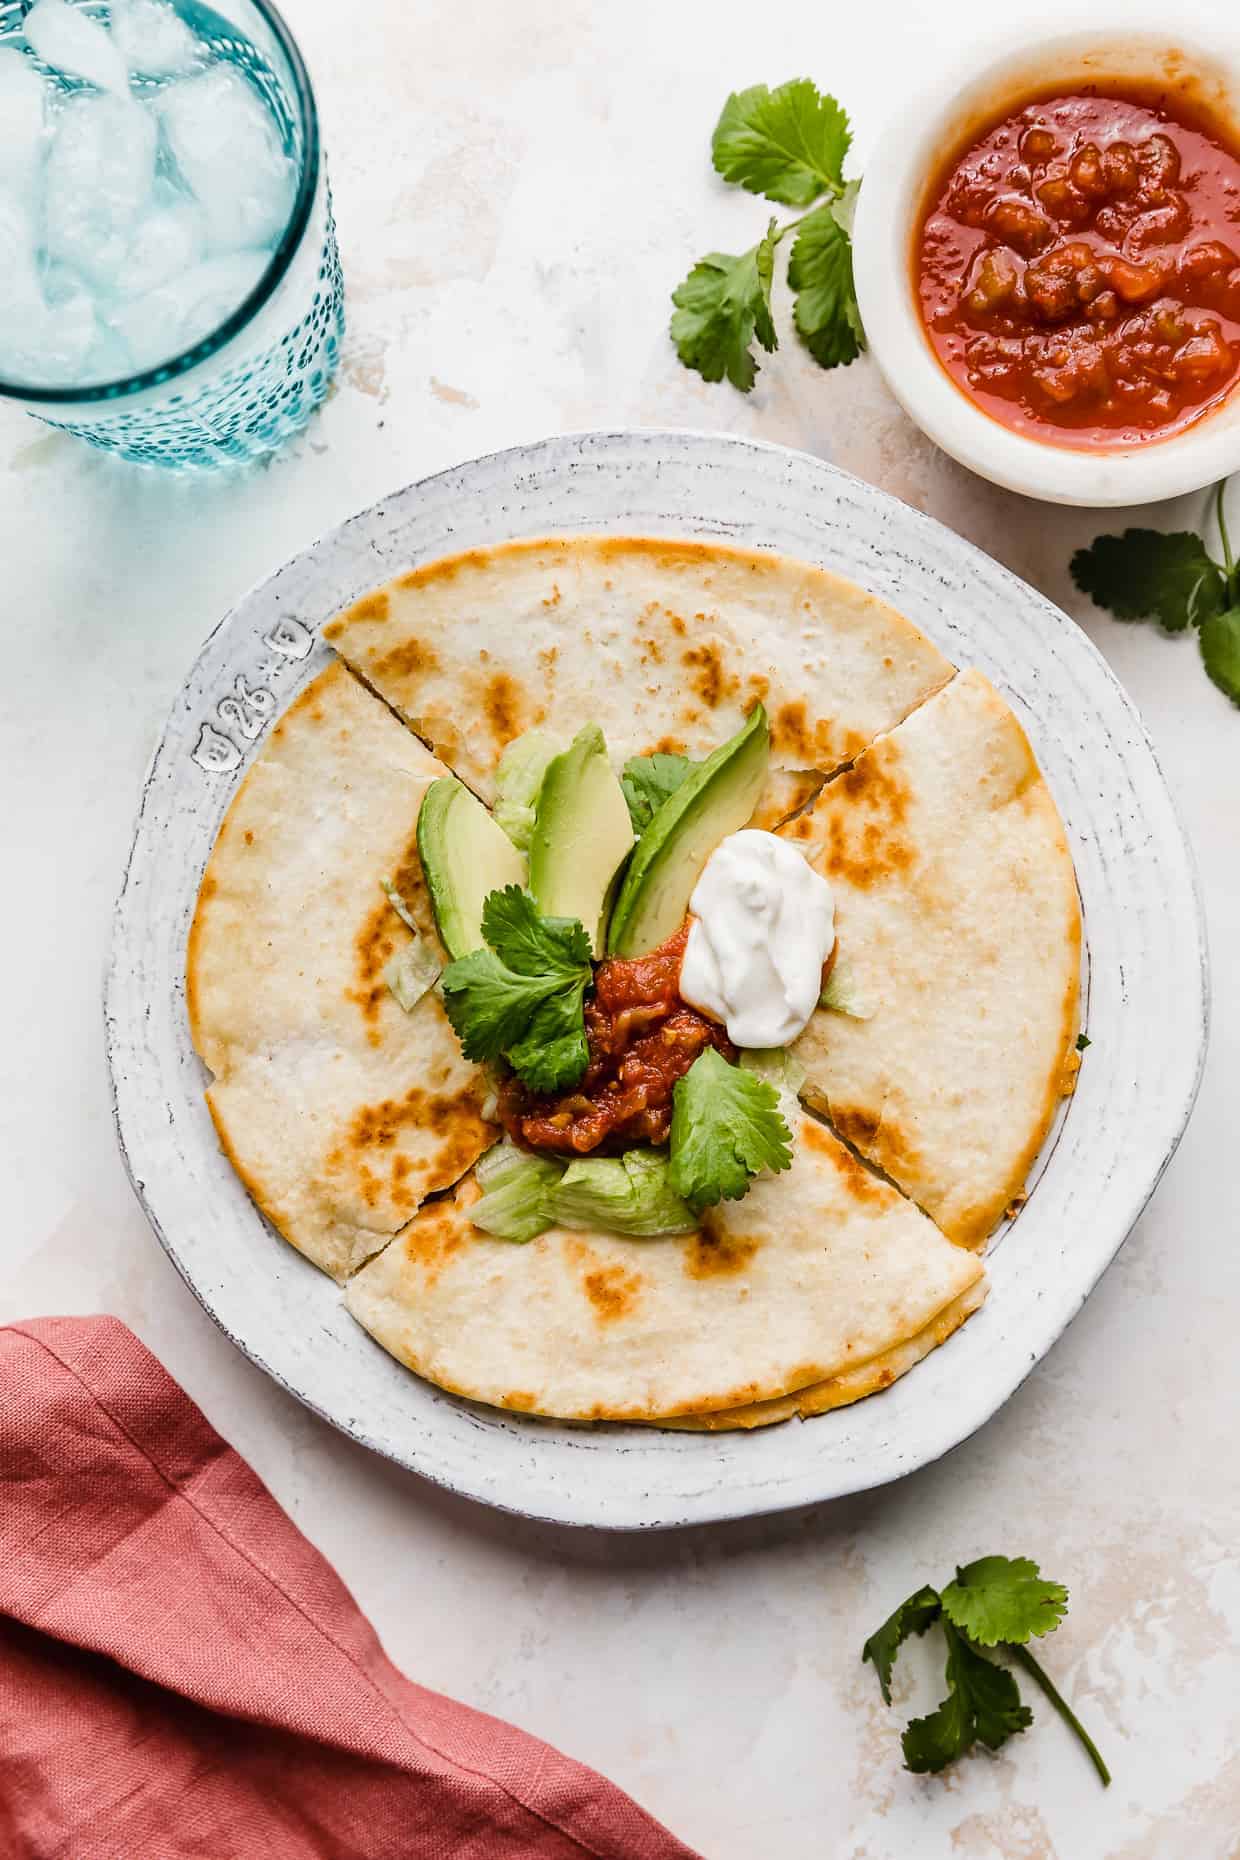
(763, 926)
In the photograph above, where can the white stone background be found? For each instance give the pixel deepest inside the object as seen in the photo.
(519, 184)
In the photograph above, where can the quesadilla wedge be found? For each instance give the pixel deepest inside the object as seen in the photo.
(665, 644)
(816, 1273)
(850, 1385)
(959, 934)
(339, 1109)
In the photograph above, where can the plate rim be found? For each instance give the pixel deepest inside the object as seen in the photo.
(726, 1504)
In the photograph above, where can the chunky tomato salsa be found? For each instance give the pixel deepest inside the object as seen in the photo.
(1079, 269)
(642, 1038)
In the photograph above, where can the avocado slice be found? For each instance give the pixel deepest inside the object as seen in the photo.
(582, 835)
(716, 799)
(465, 857)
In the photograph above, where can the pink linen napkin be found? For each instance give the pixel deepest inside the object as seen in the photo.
(182, 1674)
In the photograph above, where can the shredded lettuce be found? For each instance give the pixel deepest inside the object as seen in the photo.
(518, 781)
(516, 1193)
(842, 995)
(397, 903)
(627, 1194)
(777, 1066)
(412, 971)
(524, 1194)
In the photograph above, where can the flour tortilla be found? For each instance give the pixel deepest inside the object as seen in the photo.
(666, 645)
(339, 1110)
(851, 1385)
(960, 936)
(816, 1273)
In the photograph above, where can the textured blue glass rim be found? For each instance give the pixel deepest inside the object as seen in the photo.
(250, 306)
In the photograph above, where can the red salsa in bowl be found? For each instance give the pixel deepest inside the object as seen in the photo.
(1078, 268)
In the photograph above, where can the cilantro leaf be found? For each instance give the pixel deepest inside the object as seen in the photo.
(726, 1125)
(648, 781)
(788, 143)
(1001, 1598)
(523, 996)
(982, 1703)
(820, 272)
(913, 1616)
(553, 1051)
(1082, 1041)
(1147, 575)
(1219, 639)
(722, 305)
(996, 1601)
(530, 943)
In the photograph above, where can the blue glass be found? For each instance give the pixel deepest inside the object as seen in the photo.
(240, 392)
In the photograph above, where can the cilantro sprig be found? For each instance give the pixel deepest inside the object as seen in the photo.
(996, 1602)
(1174, 580)
(522, 996)
(788, 144)
(726, 1126)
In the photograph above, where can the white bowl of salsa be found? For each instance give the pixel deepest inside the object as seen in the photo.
(1048, 263)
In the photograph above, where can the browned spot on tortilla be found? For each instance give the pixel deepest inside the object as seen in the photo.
(520, 1399)
(370, 610)
(502, 702)
(714, 1253)
(880, 1137)
(668, 746)
(802, 829)
(707, 674)
(797, 738)
(817, 1137)
(248, 837)
(854, 1123)
(677, 625)
(373, 948)
(411, 659)
(484, 657)
(547, 658)
(650, 649)
(758, 687)
(453, 1120)
(552, 599)
(447, 568)
(612, 1290)
(868, 805)
(859, 1185)
(431, 1239)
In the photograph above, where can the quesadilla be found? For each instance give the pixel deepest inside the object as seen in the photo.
(494, 919)
(959, 946)
(339, 1109)
(818, 1272)
(666, 645)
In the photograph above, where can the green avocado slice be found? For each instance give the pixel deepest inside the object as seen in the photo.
(465, 857)
(718, 798)
(582, 835)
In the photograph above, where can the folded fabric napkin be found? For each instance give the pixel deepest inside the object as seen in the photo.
(181, 1673)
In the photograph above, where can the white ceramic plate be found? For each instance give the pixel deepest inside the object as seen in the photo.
(1146, 981)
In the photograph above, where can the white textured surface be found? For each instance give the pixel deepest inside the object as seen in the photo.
(518, 188)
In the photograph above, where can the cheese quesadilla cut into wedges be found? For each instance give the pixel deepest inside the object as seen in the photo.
(959, 934)
(816, 1273)
(340, 1110)
(665, 644)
